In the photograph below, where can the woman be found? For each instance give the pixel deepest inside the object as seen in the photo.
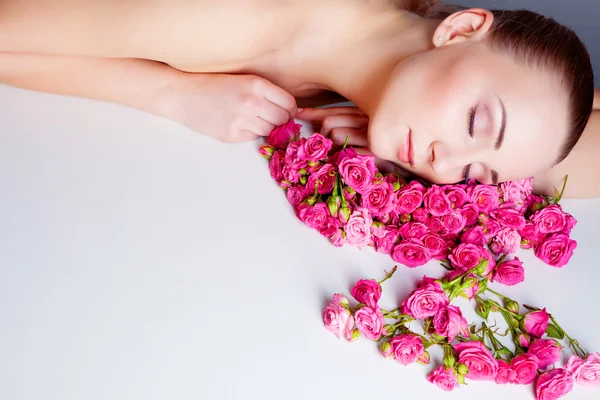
(476, 95)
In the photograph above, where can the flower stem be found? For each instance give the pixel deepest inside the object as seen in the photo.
(388, 276)
(503, 297)
(573, 344)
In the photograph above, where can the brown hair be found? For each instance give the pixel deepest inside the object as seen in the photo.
(539, 40)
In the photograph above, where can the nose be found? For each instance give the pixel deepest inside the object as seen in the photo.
(443, 158)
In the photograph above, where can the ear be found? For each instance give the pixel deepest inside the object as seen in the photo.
(464, 25)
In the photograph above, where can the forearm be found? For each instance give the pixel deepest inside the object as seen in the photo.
(140, 84)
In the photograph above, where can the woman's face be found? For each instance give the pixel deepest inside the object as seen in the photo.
(467, 109)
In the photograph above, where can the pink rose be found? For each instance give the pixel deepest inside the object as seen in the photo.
(409, 197)
(490, 228)
(530, 236)
(556, 250)
(485, 197)
(465, 256)
(315, 217)
(385, 242)
(282, 135)
(509, 273)
(453, 222)
(323, 179)
(413, 230)
(411, 252)
(425, 301)
(449, 322)
(507, 241)
(379, 199)
(570, 223)
(525, 367)
(553, 385)
(276, 164)
(330, 226)
(517, 192)
(358, 228)
(291, 173)
(369, 322)
(547, 352)
(481, 363)
(358, 172)
(436, 245)
(366, 290)
(444, 378)
(470, 213)
(291, 155)
(456, 195)
(406, 348)
(523, 340)
(505, 373)
(338, 238)
(474, 235)
(471, 291)
(315, 148)
(296, 195)
(420, 215)
(435, 224)
(549, 219)
(337, 318)
(536, 322)
(436, 202)
(509, 218)
(585, 372)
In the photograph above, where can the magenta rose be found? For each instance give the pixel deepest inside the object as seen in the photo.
(282, 135)
(481, 363)
(435, 224)
(485, 197)
(436, 201)
(369, 322)
(473, 235)
(456, 195)
(337, 318)
(536, 322)
(315, 148)
(406, 348)
(550, 219)
(296, 195)
(315, 217)
(358, 172)
(465, 256)
(379, 199)
(506, 241)
(547, 352)
(525, 367)
(291, 173)
(330, 226)
(570, 223)
(366, 290)
(444, 378)
(530, 236)
(453, 222)
(409, 197)
(509, 273)
(358, 228)
(436, 245)
(490, 228)
(413, 230)
(276, 164)
(449, 322)
(386, 240)
(420, 215)
(470, 213)
(411, 252)
(291, 155)
(505, 373)
(556, 250)
(323, 179)
(509, 218)
(553, 385)
(585, 372)
(426, 300)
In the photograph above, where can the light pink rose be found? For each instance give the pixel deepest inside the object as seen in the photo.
(436, 201)
(420, 215)
(505, 373)
(473, 235)
(379, 199)
(315, 148)
(406, 348)
(536, 322)
(449, 322)
(282, 135)
(465, 256)
(456, 194)
(296, 195)
(411, 252)
(358, 172)
(453, 222)
(436, 245)
(369, 322)
(485, 197)
(525, 367)
(550, 219)
(470, 213)
(366, 290)
(409, 197)
(358, 228)
(323, 179)
(547, 352)
(471, 292)
(444, 378)
(509, 218)
(585, 372)
(556, 250)
(481, 363)
(426, 300)
(509, 273)
(338, 238)
(315, 217)
(276, 164)
(413, 230)
(517, 192)
(337, 318)
(506, 241)
(553, 385)
(385, 242)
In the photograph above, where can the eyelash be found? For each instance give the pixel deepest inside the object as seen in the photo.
(471, 124)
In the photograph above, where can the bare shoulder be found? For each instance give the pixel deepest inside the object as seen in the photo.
(582, 166)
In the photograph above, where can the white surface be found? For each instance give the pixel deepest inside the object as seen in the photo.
(142, 261)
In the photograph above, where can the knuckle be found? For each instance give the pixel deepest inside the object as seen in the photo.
(249, 101)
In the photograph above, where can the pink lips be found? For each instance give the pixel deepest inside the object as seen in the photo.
(404, 151)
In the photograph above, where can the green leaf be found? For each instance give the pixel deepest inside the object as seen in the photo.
(554, 332)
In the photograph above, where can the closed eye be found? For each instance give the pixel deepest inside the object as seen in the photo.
(472, 113)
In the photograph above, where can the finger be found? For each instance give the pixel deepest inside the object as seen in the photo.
(355, 137)
(272, 113)
(343, 121)
(260, 127)
(278, 96)
(318, 114)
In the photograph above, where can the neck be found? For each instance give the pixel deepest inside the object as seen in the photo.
(369, 48)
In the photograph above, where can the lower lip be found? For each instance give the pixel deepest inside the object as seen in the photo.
(404, 150)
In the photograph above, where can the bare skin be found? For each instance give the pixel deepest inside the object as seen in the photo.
(155, 56)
